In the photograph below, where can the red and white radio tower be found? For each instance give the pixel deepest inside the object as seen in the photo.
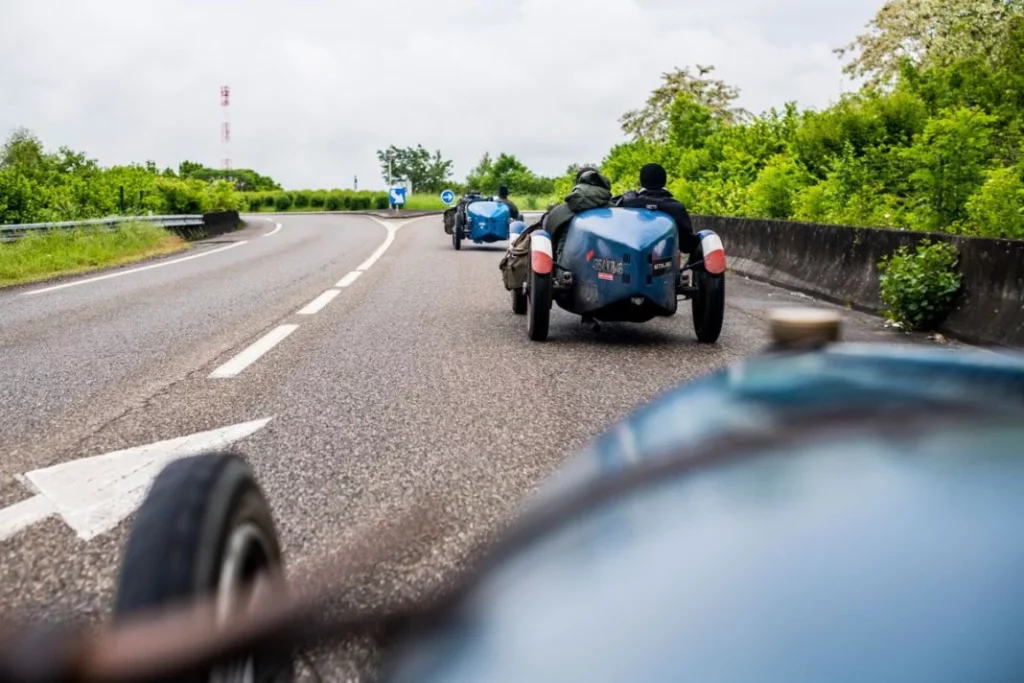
(225, 127)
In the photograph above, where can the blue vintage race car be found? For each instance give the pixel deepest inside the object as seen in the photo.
(835, 513)
(484, 221)
(818, 512)
(621, 264)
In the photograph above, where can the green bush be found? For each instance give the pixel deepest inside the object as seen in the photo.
(270, 200)
(222, 196)
(334, 201)
(997, 209)
(254, 202)
(381, 202)
(317, 199)
(917, 289)
(182, 196)
(301, 200)
(283, 202)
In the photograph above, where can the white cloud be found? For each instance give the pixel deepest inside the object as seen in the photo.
(318, 86)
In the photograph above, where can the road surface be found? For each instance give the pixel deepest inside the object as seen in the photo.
(386, 366)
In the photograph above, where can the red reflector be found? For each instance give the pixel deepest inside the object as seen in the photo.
(541, 263)
(714, 262)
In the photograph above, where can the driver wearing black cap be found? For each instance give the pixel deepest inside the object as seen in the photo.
(655, 197)
(503, 198)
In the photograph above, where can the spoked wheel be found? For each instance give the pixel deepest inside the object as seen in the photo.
(519, 301)
(204, 530)
(539, 306)
(708, 306)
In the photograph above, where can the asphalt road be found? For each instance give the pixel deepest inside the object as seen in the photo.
(415, 380)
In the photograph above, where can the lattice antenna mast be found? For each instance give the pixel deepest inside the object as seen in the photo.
(225, 126)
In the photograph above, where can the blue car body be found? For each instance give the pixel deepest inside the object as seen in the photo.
(890, 550)
(617, 255)
(487, 221)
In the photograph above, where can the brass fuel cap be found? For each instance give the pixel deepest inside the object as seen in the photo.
(804, 326)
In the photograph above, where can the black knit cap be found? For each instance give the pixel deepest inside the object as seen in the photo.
(502, 191)
(653, 177)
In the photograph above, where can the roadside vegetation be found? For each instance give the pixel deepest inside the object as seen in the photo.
(37, 186)
(931, 142)
(348, 200)
(44, 255)
(918, 287)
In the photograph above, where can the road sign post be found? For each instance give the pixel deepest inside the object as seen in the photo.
(397, 197)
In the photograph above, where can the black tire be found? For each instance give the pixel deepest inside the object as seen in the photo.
(518, 301)
(708, 306)
(460, 222)
(539, 306)
(178, 548)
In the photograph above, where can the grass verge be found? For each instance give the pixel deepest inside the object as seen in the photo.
(51, 254)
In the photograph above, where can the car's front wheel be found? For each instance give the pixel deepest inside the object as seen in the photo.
(204, 530)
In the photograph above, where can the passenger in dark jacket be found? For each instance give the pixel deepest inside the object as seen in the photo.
(503, 198)
(655, 197)
(592, 191)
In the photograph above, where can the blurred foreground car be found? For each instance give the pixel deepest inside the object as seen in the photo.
(819, 512)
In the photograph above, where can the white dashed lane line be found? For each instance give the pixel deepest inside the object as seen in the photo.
(349, 279)
(318, 303)
(253, 353)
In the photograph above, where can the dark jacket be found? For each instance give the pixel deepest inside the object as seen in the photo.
(662, 200)
(592, 192)
(512, 208)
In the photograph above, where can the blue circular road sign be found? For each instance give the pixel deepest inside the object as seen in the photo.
(447, 196)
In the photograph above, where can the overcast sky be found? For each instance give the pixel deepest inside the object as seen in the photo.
(319, 85)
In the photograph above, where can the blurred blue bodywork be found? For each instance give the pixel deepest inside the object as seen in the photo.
(864, 556)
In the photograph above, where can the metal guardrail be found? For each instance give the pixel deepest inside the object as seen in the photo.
(9, 233)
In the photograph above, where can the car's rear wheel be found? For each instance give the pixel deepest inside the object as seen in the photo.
(204, 530)
(539, 306)
(519, 303)
(708, 306)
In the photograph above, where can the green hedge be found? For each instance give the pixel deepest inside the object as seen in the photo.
(319, 200)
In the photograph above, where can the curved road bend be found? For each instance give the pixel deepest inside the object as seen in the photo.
(414, 379)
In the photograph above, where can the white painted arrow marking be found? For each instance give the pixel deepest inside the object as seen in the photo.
(93, 495)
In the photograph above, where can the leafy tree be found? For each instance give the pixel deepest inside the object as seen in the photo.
(426, 172)
(926, 33)
(244, 179)
(651, 122)
(997, 209)
(508, 170)
(188, 169)
(23, 153)
(950, 159)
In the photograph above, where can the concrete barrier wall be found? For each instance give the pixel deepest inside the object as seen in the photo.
(839, 263)
(220, 222)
